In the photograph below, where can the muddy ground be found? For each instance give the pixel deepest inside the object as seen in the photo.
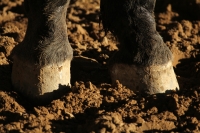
(92, 104)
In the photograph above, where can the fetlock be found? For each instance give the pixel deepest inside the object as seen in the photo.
(46, 39)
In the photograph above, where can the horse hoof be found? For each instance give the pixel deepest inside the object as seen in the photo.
(38, 83)
(151, 79)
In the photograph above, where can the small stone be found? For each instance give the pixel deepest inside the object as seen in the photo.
(194, 120)
(105, 41)
(133, 102)
(47, 127)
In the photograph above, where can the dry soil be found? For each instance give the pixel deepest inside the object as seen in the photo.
(93, 105)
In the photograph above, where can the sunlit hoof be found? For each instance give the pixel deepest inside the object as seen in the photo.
(38, 83)
(151, 79)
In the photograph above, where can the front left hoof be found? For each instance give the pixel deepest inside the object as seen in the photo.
(151, 79)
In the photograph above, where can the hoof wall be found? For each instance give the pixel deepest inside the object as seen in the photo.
(152, 79)
(38, 82)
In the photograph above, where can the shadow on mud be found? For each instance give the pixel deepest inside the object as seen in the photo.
(186, 8)
(188, 73)
(10, 117)
(5, 77)
(87, 69)
(18, 9)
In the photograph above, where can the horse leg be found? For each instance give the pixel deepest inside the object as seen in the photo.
(41, 63)
(143, 62)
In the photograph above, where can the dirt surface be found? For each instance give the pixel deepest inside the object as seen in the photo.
(93, 104)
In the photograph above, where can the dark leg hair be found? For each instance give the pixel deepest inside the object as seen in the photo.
(46, 39)
(132, 22)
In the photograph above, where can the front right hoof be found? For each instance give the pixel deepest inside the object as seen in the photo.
(39, 83)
